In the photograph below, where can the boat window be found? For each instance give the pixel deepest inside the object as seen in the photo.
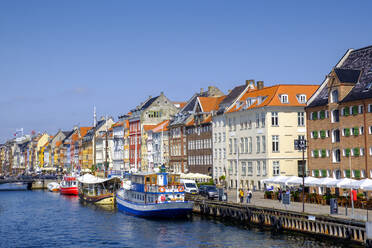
(147, 179)
(153, 179)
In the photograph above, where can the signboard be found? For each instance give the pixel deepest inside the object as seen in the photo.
(286, 199)
(299, 144)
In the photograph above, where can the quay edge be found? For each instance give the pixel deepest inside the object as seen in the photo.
(350, 230)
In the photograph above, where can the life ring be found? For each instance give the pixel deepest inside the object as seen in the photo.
(162, 189)
(181, 188)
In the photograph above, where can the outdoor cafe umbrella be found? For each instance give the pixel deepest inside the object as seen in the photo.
(326, 182)
(347, 183)
(275, 180)
(366, 185)
(298, 181)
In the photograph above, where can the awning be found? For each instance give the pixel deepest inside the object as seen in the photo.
(90, 179)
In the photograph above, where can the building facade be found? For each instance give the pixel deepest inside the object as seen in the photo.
(340, 120)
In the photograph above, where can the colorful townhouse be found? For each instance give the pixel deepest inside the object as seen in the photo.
(177, 130)
(199, 136)
(157, 143)
(153, 111)
(219, 130)
(118, 146)
(261, 127)
(339, 120)
(76, 147)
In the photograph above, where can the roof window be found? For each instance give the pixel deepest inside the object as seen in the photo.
(301, 98)
(368, 87)
(284, 98)
(250, 102)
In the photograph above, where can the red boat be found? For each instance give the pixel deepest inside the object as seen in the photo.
(69, 186)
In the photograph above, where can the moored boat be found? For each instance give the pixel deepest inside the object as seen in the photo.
(69, 186)
(101, 191)
(53, 186)
(157, 195)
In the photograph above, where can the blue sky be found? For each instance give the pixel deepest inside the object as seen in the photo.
(60, 58)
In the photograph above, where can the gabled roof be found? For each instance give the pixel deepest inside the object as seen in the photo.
(209, 104)
(270, 96)
(148, 127)
(118, 124)
(162, 126)
(349, 64)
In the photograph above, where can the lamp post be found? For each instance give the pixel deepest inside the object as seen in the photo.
(300, 144)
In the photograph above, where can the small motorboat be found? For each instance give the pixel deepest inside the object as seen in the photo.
(69, 186)
(53, 187)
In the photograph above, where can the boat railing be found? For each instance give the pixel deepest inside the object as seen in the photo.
(152, 188)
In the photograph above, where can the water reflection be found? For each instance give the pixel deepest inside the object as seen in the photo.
(44, 219)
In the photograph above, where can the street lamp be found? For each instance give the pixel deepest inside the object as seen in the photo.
(300, 144)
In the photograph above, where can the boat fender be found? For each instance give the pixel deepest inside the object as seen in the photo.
(348, 234)
(261, 219)
(181, 188)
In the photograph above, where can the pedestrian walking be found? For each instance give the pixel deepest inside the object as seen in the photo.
(241, 195)
(249, 196)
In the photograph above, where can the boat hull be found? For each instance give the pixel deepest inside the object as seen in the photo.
(69, 191)
(161, 210)
(107, 199)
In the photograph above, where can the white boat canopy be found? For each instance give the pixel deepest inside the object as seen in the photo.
(90, 179)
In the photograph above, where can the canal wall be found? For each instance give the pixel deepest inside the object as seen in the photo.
(278, 220)
(41, 183)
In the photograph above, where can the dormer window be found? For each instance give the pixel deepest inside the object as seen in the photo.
(368, 87)
(301, 98)
(284, 98)
(250, 102)
(334, 96)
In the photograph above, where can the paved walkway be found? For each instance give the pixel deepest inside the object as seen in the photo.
(258, 200)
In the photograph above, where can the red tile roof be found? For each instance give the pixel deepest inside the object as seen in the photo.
(162, 126)
(209, 104)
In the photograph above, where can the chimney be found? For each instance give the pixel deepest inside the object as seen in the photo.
(162, 93)
(260, 85)
(248, 82)
(201, 90)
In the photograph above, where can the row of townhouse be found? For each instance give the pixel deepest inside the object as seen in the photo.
(339, 117)
(238, 138)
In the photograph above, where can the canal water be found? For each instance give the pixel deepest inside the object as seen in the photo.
(45, 219)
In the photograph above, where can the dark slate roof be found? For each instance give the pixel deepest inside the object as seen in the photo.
(347, 75)
(358, 61)
(191, 103)
(230, 98)
(179, 118)
(148, 103)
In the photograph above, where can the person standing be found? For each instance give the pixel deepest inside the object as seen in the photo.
(241, 195)
(280, 195)
(249, 196)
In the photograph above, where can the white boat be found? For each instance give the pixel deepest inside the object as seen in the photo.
(154, 195)
(53, 186)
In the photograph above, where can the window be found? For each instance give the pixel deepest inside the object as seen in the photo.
(250, 144)
(301, 119)
(334, 96)
(275, 143)
(224, 137)
(370, 108)
(263, 168)
(241, 145)
(235, 145)
(335, 115)
(258, 141)
(246, 145)
(284, 98)
(336, 158)
(257, 120)
(250, 169)
(274, 119)
(360, 109)
(244, 168)
(276, 168)
(224, 152)
(230, 146)
(263, 144)
(263, 117)
(258, 168)
(302, 98)
(335, 136)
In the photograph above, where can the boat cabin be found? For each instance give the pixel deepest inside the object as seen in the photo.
(155, 188)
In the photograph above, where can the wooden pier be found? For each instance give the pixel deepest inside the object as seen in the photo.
(346, 229)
